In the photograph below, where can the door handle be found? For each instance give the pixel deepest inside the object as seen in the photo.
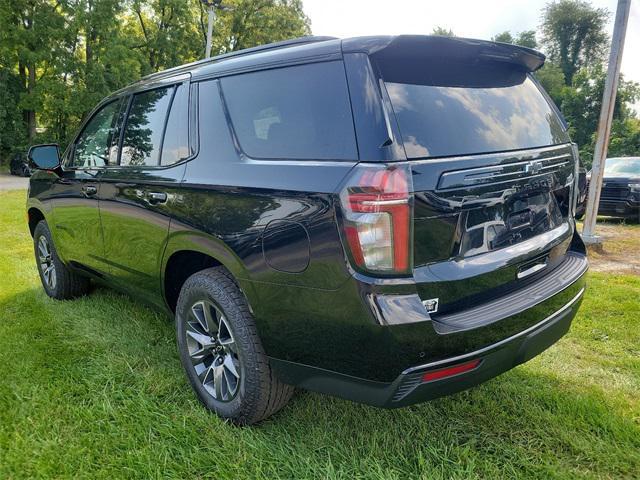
(157, 197)
(89, 190)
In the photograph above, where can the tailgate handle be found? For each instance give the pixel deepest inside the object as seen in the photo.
(531, 270)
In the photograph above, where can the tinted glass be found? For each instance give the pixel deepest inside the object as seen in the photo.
(94, 147)
(300, 112)
(622, 166)
(458, 109)
(144, 127)
(176, 137)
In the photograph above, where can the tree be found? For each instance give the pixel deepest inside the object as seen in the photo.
(59, 58)
(581, 105)
(526, 38)
(12, 131)
(625, 138)
(32, 39)
(166, 31)
(551, 78)
(504, 37)
(257, 22)
(573, 35)
(442, 32)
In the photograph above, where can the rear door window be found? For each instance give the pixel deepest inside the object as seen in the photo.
(300, 112)
(175, 146)
(446, 109)
(144, 127)
(156, 130)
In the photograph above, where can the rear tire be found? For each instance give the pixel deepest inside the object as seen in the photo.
(57, 280)
(221, 352)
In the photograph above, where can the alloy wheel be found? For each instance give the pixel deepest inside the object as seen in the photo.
(47, 267)
(213, 350)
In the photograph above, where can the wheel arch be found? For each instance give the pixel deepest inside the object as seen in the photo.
(186, 254)
(34, 216)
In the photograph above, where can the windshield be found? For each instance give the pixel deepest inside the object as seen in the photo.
(457, 109)
(622, 166)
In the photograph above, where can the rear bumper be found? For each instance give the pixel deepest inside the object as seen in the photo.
(494, 360)
(410, 388)
(372, 334)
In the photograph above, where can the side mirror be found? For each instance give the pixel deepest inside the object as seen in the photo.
(45, 157)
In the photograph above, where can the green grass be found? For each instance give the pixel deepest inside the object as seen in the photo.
(93, 388)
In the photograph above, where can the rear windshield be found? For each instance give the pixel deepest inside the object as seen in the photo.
(444, 109)
(622, 166)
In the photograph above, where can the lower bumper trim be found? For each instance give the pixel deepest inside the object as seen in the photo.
(482, 351)
(410, 388)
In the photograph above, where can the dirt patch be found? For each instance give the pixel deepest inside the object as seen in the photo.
(620, 250)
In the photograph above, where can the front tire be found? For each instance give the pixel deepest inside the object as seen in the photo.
(57, 280)
(221, 352)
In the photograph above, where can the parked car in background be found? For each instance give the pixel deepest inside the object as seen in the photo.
(620, 194)
(385, 219)
(19, 165)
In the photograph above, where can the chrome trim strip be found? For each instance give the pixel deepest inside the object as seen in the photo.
(530, 271)
(501, 342)
(508, 154)
(475, 176)
(381, 203)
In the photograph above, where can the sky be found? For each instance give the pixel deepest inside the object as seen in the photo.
(467, 18)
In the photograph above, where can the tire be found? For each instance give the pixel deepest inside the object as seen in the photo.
(57, 280)
(24, 171)
(224, 361)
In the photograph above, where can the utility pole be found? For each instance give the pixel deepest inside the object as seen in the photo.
(211, 12)
(604, 124)
(212, 17)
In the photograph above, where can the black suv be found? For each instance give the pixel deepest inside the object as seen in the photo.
(19, 165)
(385, 219)
(620, 194)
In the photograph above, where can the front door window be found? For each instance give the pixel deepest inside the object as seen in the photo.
(95, 146)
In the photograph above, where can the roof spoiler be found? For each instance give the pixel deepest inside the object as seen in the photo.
(451, 47)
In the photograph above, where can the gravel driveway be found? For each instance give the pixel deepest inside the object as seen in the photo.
(11, 182)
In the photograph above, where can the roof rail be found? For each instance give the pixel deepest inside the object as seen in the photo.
(246, 51)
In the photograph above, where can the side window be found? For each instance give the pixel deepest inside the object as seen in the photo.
(300, 112)
(94, 147)
(144, 127)
(175, 146)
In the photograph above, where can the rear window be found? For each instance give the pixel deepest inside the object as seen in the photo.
(145, 124)
(448, 108)
(300, 112)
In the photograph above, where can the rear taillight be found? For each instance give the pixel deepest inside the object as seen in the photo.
(377, 207)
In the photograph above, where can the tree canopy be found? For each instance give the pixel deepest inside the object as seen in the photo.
(573, 35)
(59, 58)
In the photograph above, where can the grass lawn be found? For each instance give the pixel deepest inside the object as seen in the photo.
(93, 388)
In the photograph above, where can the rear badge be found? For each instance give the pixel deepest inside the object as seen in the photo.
(431, 305)
(533, 167)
